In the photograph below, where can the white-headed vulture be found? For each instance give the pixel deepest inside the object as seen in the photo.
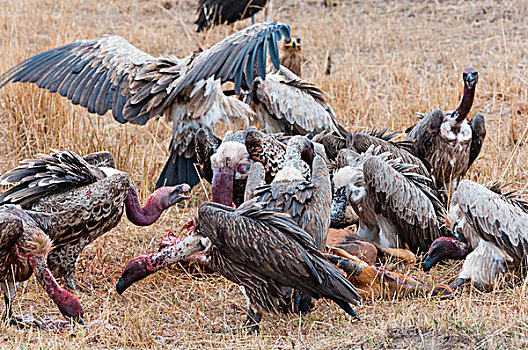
(108, 73)
(491, 230)
(448, 141)
(86, 196)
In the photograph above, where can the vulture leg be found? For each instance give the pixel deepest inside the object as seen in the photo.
(252, 321)
(9, 290)
(372, 281)
(267, 11)
(458, 283)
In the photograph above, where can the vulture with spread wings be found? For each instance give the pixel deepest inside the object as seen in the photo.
(108, 73)
(491, 230)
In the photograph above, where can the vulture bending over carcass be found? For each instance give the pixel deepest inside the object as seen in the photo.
(215, 12)
(24, 247)
(108, 73)
(308, 202)
(263, 251)
(491, 231)
(447, 141)
(396, 204)
(85, 196)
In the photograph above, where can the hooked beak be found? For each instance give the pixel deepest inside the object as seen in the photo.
(223, 186)
(428, 263)
(145, 265)
(471, 80)
(179, 193)
(293, 43)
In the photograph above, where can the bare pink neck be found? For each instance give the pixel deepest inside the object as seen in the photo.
(47, 281)
(141, 216)
(465, 105)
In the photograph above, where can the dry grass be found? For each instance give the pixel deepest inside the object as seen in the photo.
(390, 60)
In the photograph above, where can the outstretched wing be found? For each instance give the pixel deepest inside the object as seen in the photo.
(406, 203)
(109, 73)
(494, 218)
(288, 104)
(47, 174)
(478, 129)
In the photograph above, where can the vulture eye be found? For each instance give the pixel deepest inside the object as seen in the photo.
(298, 40)
(243, 169)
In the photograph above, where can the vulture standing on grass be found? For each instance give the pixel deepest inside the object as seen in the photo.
(108, 73)
(86, 196)
(447, 141)
(262, 250)
(308, 202)
(397, 205)
(215, 12)
(24, 247)
(491, 231)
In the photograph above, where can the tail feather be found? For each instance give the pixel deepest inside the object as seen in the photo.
(179, 170)
(45, 175)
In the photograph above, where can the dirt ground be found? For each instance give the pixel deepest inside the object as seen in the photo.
(390, 59)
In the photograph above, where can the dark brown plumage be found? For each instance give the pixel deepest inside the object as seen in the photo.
(215, 12)
(447, 141)
(108, 73)
(24, 247)
(263, 251)
(87, 200)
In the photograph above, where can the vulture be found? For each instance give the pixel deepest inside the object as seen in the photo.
(284, 103)
(86, 196)
(308, 202)
(396, 205)
(448, 141)
(292, 57)
(226, 162)
(24, 246)
(491, 233)
(262, 250)
(215, 12)
(108, 73)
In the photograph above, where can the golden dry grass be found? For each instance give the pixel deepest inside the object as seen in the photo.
(390, 60)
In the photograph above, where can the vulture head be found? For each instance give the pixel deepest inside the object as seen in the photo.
(230, 163)
(349, 186)
(294, 43)
(445, 248)
(299, 150)
(470, 76)
(165, 197)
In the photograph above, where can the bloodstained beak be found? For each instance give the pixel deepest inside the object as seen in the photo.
(179, 193)
(145, 265)
(223, 186)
